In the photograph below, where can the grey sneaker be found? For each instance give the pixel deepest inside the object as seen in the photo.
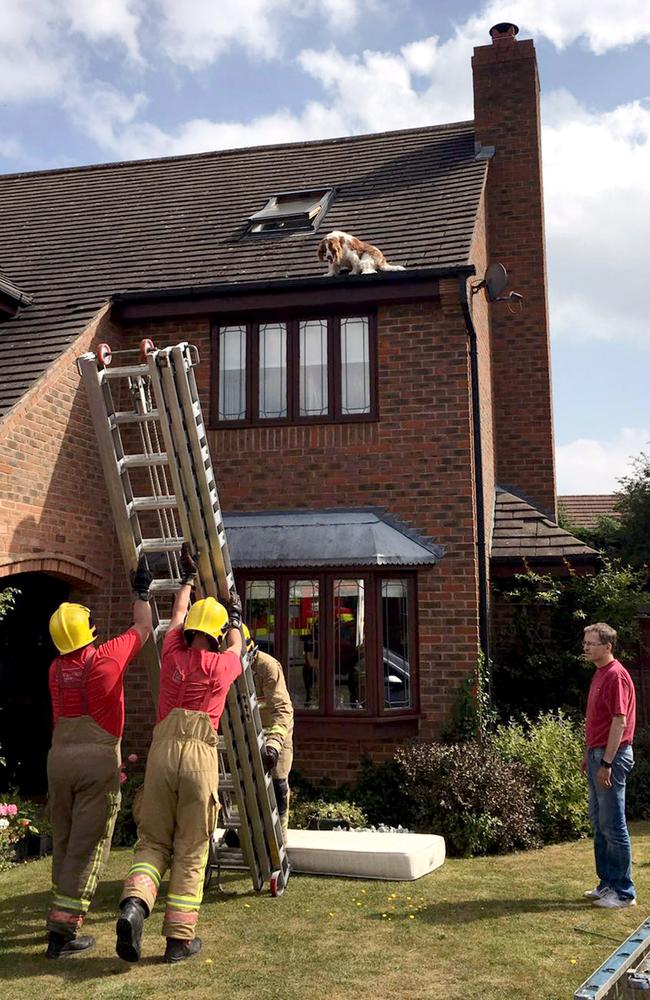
(596, 893)
(611, 901)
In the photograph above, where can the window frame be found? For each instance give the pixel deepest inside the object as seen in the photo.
(292, 320)
(327, 713)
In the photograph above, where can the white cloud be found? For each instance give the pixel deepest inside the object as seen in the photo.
(602, 24)
(590, 466)
(597, 193)
(195, 34)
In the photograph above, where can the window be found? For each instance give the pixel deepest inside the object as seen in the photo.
(346, 641)
(291, 210)
(295, 371)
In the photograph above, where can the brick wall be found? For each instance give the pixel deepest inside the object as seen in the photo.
(506, 113)
(56, 518)
(416, 461)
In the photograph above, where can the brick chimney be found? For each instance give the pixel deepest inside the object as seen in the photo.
(506, 115)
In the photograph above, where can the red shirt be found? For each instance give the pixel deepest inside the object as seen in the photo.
(611, 693)
(195, 679)
(104, 683)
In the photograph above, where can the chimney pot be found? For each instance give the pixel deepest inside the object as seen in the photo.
(504, 31)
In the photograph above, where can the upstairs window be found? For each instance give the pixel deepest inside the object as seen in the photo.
(295, 371)
(291, 211)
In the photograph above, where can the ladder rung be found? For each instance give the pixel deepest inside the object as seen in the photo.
(153, 503)
(125, 371)
(160, 545)
(161, 628)
(141, 461)
(164, 586)
(226, 784)
(131, 417)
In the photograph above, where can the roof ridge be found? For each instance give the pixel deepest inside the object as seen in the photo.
(208, 154)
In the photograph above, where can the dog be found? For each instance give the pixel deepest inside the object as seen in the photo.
(341, 250)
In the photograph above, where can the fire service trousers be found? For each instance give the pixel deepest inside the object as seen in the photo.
(177, 817)
(83, 774)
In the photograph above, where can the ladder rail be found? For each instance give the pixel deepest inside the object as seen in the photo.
(178, 494)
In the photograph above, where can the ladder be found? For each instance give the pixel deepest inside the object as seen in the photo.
(625, 974)
(154, 452)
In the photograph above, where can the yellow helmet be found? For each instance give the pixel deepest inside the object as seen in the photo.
(251, 645)
(207, 616)
(71, 627)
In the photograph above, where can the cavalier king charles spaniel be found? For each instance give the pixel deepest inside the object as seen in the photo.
(341, 250)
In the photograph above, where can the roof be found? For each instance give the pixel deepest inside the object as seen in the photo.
(585, 510)
(522, 532)
(325, 538)
(73, 237)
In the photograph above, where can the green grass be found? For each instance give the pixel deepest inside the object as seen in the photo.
(485, 929)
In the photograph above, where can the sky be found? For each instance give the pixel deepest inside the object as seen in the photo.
(90, 82)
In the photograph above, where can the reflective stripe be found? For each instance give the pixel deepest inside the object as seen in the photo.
(88, 890)
(67, 903)
(277, 728)
(190, 901)
(146, 869)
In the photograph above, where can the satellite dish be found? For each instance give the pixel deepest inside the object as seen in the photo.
(496, 279)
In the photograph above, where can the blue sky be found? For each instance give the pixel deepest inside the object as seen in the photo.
(117, 79)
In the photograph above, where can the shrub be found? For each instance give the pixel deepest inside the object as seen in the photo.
(465, 792)
(381, 793)
(551, 750)
(310, 810)
(637, 792)
(125, 833)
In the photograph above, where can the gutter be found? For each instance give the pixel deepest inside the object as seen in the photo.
(482, 560)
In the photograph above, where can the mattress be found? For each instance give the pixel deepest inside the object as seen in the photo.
(398, 857)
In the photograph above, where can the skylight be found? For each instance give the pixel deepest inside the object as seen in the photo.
(291, 211)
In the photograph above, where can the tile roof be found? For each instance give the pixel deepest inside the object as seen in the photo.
(73, 237)
(583, 510)
(340, 537)
(522, 532)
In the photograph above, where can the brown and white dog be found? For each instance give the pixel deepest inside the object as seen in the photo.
(341, 250)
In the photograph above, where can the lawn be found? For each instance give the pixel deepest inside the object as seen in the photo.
(484, 929)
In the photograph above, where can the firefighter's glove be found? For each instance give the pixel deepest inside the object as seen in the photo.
(269, 757)
(233, 606)
(188, 567)
(141, 578)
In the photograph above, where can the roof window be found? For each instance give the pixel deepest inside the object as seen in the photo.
(291, 211)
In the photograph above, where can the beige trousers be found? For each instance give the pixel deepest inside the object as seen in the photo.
(177, 816)
(83, 775)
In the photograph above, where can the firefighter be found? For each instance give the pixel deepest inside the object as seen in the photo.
(277, 718)
(83, 766)
(179, 802)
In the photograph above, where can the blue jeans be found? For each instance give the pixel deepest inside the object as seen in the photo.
(612, 847)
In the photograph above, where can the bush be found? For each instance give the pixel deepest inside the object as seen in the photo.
(312, 810)
(637, 791)
(478, 803)
(551, 750)
(381, 793)
(125, 833)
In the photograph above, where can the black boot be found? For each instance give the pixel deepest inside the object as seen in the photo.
(129, 928)
(58, 946)
(178, 950)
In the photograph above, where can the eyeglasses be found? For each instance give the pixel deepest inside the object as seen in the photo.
(585, 644)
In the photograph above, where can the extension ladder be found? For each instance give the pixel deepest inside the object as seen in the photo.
(625, 974)
(154, 452)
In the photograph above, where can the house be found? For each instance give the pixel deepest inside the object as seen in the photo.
(383, 443)
(584, 510)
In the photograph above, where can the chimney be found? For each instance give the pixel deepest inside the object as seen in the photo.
(506, 116)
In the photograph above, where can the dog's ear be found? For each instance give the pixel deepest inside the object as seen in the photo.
(322, 248)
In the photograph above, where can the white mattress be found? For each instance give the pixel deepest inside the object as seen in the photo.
(399, 857)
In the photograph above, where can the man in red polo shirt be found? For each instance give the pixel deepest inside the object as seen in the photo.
(83, 766)
(609, 732)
